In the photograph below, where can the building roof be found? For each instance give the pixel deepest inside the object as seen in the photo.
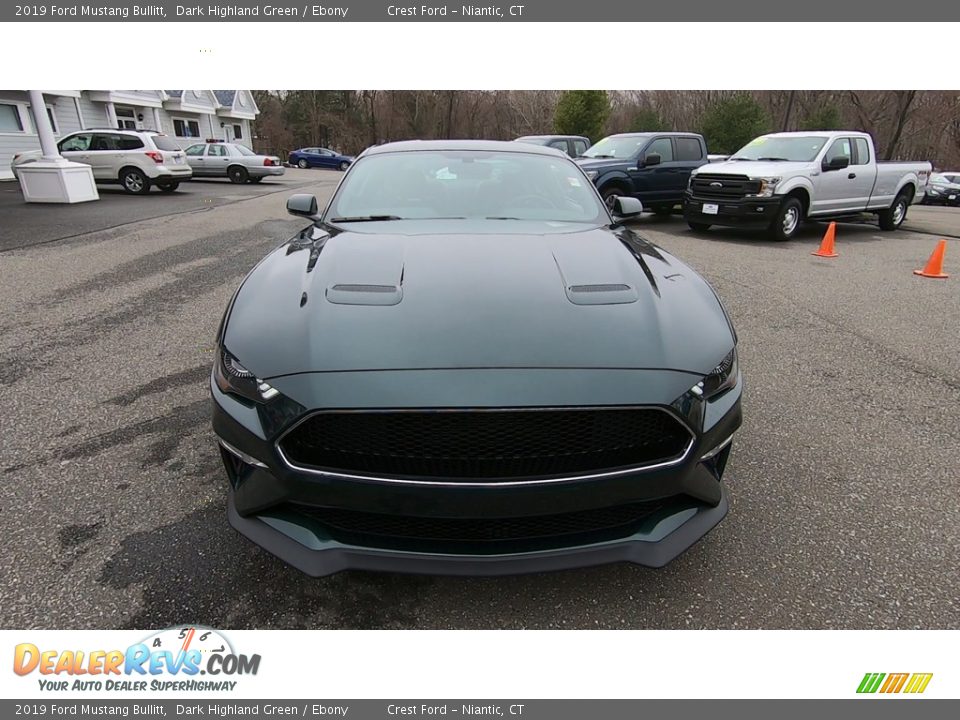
(225, 97)
(174, 93)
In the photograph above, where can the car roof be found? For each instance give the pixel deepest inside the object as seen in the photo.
(554, 137)
(509, 146)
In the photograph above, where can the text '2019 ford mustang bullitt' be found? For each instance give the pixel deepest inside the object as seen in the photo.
(467, 365)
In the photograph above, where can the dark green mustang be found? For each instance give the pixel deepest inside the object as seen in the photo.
(467, 365)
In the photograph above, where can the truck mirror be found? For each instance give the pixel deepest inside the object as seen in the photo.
(836, 163)
(652, 159)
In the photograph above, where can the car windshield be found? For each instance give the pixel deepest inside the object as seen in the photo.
(533, 139)
(793, 149)
(950, 178)
(617, 147)
(165, 142)
(243, 150)
(433, 185)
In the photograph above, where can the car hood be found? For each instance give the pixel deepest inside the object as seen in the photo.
(753, 168)
(944, 187)
(362, 301)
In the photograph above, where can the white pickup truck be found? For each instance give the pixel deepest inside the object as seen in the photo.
(776, 181)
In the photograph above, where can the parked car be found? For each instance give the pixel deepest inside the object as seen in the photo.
(943, 189)
(319, 157)
(652, 167)
(466, 364)
(231, 160)
(776, 181)
(572, 145)
(137, 159)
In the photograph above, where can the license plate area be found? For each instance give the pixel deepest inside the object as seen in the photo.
(710, 209)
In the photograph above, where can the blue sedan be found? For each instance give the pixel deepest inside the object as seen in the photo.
(320, 157)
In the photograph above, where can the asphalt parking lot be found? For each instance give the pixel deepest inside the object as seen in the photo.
(843, 482)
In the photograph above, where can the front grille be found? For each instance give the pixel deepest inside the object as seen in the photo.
(375, 530)
(485, 445)
(723, 187)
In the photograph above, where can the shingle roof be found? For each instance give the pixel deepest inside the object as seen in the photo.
(225, 97)
(174, 93)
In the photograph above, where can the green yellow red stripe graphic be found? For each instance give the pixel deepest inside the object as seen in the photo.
(887, 683)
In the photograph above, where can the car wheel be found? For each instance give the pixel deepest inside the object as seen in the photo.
(893, 217)
(788, 219)
(168, 187)
(302, 164)
(256, 179)
(237, 174)
(698, 227)
(663, 210)
(135, 182)
(344, 165)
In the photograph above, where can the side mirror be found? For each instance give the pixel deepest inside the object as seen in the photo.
(302, 204)
(837, 163)
(624, 207)
(652, 159)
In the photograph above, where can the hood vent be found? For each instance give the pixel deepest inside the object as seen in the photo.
(364, 294)
(601, 294)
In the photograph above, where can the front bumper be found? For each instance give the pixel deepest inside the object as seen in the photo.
(756, 212)
(267, 498)
(943, 199)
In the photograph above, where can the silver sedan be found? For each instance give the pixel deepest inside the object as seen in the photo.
(232, 160)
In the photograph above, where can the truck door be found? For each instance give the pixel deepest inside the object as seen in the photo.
(844, 190)
(689, 157)
(652, 183)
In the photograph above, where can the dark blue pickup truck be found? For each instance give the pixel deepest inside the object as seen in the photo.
(652, 167)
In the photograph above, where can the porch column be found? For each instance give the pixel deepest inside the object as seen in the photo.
(156, 120)
(112, 116)
(48, 143)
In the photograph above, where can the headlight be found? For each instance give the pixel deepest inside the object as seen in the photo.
(232, 377)
(591, 174)
(934, 191)
(767, 186)
(722, 377)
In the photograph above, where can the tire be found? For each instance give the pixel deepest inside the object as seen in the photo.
(610, 192)
(237, 174)
(663, 210)
(303, 164)
(168, 187)
(698, 227)
(134, 182)
(788, 219)
(343, 166)
(256, 179)
(893, 217)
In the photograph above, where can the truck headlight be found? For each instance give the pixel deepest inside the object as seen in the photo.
(767, 186)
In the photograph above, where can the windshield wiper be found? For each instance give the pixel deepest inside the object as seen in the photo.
(774, 159)
(739, 158)
(602, 157)
(366, 218)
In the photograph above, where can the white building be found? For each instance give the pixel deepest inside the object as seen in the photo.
(185, 114)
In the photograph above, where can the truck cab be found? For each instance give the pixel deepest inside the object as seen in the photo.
(653, 167)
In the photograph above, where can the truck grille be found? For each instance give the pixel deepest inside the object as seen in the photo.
(485, 445)
(372, 529)
(723, 187)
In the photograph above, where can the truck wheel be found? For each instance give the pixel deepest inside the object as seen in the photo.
(788, 219)
(698, 227)
(893, 217)
(609, 193)
(663, 210)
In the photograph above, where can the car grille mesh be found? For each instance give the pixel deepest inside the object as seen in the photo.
(489, 446)
(722, 187)
(373, 529)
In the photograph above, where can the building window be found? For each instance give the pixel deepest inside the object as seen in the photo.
(238, 132)
(186, 128)
(52, 116)
(126, 118)
(10, 121)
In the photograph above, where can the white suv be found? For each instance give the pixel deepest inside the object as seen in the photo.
(137, 159)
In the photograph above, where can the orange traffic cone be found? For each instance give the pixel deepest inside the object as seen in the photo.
(826, 245)
(934, 266)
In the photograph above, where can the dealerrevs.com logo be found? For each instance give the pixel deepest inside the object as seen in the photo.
(909, 683)
(178, 659)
